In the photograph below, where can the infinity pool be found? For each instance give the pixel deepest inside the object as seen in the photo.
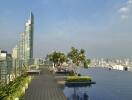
(110, 85)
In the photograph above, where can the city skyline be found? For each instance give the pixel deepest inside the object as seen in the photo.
(24, 48)
(102, 28)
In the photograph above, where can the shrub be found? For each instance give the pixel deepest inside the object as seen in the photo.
(78, 78)
(14, 88)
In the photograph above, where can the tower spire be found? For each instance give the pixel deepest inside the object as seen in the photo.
(31, 17)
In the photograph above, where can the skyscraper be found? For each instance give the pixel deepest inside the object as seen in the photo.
(24, 51)
(25, 46)
(28, 38)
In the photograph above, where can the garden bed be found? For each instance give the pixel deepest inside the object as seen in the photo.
(78, 81)
(78, 78)
(15, 89)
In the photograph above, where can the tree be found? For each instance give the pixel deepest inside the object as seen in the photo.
(62, 58)
(73, 55)
(77, 56)
(57, 58)
(86, 63)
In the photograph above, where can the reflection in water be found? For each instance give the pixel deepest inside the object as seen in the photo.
(76, 93)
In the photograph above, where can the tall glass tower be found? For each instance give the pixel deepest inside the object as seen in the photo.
(25, 46)
(28, 38)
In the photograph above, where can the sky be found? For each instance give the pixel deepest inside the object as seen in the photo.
(102, 27)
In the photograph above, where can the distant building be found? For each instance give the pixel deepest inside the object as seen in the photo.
(38, 61)
(22, 55)
(5, 66)
(25, 47)
(24, 50)
(15, 52)
(120, 67)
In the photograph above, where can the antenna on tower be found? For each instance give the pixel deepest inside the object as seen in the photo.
(31, 17)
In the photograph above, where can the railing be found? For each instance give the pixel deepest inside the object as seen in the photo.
(12, 68)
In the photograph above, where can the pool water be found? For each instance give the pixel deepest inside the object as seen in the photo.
(110, 85)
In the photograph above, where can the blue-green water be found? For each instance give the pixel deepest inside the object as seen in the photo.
(110, 85)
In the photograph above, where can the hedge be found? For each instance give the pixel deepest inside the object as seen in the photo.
(78, 78)
(14, 88)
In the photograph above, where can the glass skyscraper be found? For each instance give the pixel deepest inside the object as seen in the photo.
(25, 45)
(26, 40)
(28, 36)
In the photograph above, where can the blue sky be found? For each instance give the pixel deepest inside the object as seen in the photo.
(101, 27)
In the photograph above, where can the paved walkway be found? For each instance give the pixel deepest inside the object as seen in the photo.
(44, 87)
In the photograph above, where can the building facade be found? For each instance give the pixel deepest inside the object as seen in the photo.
(5, 67)
(28, 38)
(15, 52)
(25, 45)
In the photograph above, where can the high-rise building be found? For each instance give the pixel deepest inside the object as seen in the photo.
(25, 46)
(15, 52)
(28, 38)
(21, 46)
(5, 66)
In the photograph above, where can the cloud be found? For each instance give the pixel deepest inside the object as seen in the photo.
(126, 11)
(129, 2)
(123, 16)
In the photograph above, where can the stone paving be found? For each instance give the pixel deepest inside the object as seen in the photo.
(44, 87)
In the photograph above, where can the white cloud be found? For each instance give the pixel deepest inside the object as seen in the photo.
(129, 2)
(126, 10)
(124, 16)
